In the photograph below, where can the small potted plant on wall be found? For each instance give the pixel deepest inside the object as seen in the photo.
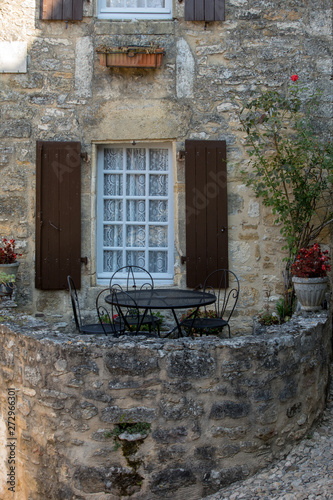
(310, 276)
(8, 257)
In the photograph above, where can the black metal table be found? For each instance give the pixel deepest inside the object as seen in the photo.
(164, 298)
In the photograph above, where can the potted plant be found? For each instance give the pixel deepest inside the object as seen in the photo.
(291, 166)
(310, 279)
(6, 283)
(131, 56)
(8, 263)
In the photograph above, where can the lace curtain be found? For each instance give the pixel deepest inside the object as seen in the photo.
(136, 4)
(135, 189)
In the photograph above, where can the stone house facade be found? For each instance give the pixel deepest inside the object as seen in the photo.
(53, 88)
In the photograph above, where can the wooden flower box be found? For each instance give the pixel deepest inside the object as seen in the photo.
(130, 57)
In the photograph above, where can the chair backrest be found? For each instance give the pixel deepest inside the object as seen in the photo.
(127, 277)
(129, 315)
(106, 314)
(225, 285)
(75, 302)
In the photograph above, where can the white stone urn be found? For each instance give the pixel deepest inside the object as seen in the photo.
(310, 292)
(10, 268)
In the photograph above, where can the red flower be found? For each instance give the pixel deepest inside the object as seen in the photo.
(7, 252)
(294, 78)
(311, 262)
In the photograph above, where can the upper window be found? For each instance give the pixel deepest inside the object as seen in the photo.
(135, 210)
(135, 9)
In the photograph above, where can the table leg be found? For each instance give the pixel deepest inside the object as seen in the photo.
(179, 323)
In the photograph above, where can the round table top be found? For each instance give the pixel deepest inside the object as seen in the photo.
(161, 298)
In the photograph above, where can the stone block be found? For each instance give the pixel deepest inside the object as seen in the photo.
(114, 415)
(167, 436)
(15, 128)
(229, 409)
(83, 411)
(190, 364)
(132, 362)
(169, 480)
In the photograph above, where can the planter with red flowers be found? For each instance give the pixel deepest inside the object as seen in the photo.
(310, 277)
(8, 263)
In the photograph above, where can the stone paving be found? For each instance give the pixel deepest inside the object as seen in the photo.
(306, 472)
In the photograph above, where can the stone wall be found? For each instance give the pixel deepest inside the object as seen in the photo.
(151, 418)
(67, 95)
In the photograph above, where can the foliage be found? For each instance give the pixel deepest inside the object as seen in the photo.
(133, 313)
(158, 318)
(285, 307)
(311, 262)
(6, 278)
(292, 167)
(208, 313)
(142, 428)
(267, 318)
(7, 252)
(105, 318)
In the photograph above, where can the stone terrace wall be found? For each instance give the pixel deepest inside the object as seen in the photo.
(218, 410)
(67, 95)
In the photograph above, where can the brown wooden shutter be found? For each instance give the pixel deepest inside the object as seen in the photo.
(206, 209)
(58, 214)
(204, 10)
(61, 10)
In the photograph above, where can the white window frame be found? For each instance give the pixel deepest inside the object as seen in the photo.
(103, 278)
(104, 12)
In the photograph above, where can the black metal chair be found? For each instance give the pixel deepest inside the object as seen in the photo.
(107, 317)
(134, 277)
(89, 329)
(129, 316)
(225, 285)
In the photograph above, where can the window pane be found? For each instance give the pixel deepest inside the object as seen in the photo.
(158, 236)
(136, 210)
(158, 262)
(158, 159)
(135, 259)
(113, 159)
(136, 159)
(158, 211)
(115, 3)
(155, 3)
(135, 236)
(135, 4)
(113, 236)
(113, 210)
(113, 185)
(158, 185)
(112, 260)
(135, 185)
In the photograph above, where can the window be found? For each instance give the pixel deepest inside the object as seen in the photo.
(135, 9)
(135, 209)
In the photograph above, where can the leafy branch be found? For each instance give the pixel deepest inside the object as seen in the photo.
(292, 169)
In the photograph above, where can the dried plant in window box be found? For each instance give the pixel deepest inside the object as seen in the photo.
(131, 56)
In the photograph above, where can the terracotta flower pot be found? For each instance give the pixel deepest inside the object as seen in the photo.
(310, 292)
(132, 57)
